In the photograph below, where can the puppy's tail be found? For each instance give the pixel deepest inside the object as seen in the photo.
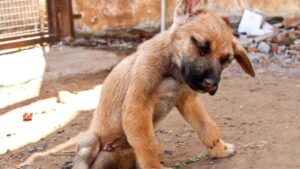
(88, 149)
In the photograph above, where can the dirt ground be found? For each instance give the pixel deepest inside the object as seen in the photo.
(261, 117)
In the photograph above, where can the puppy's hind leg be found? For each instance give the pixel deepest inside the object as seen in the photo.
(87, 150)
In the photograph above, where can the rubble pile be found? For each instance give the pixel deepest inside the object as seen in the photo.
(269, 40)
(275, 39)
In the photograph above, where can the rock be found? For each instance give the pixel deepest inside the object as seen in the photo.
(291, 22)
(264, 47)
(274, 19)
(60, 131)
(274, 48)
(295, 47)
(67, 165)
(41, 146)
(252, 49)
(278, 25)
(265, 37)
(168, 152)
(285, 38)
(163, 131)
(81, 42)
(297, 42)
(287, 61)
(245, 42)
(30, 149)
(227, 118)
(27, 116)
(282, 49)
(25, 167)
(255, 57)
(69, 41)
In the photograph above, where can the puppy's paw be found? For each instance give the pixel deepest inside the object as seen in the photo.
(221, 150)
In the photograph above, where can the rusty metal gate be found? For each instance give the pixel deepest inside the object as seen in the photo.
(28, 22)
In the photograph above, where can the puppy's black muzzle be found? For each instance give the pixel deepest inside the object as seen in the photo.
(200, 80)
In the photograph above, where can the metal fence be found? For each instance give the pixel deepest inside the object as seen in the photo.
(28, 22)
(22, 19)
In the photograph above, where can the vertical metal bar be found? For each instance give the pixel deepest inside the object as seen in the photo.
(163, 15)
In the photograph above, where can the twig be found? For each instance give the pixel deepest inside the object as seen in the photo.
(191, 160)
(254, 144)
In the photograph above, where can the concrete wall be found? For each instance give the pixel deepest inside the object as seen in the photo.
(105, 17)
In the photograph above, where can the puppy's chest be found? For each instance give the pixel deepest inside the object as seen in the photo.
(169, 94)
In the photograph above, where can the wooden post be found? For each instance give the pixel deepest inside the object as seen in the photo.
(66, 18)
(53, 19)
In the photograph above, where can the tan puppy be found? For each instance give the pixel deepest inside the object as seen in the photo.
(165, 72)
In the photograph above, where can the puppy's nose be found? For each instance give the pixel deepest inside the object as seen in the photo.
(210, 82)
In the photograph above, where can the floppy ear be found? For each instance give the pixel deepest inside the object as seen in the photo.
(241, 56)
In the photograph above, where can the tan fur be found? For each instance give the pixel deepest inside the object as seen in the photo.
(144, 87)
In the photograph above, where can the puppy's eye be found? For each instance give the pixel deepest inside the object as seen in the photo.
(227, 59)
(203, 47)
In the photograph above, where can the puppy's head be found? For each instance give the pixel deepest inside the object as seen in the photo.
(204, 46)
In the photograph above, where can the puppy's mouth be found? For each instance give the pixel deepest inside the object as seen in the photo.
(212, 90)
(204, 89)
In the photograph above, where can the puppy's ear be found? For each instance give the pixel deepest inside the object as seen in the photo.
(185, 9)
(187, 6)
(240, 54)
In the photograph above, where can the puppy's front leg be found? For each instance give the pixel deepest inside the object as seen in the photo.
(191, 109)
(138, 127)
(137, 118)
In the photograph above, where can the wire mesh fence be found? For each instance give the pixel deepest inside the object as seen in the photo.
(22, 18)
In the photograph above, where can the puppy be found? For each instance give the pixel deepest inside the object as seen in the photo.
(165, 72)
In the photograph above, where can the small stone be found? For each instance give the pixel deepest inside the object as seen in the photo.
(282, 49)
(296, 47)
(264, 47)
(266, 37)
(285, 38)
(8, 135)
(27, 116)
(227, 118)
(42, 146)
(168, 152)
(73, 124)
(60, 131)
(297, 42)
(274, 19)
(30, 149)
(278, 25)
(275, 48)
(291, 22)
(67, 165)
(252, 49)
(82, 42)
(245, 42)
(25, 167)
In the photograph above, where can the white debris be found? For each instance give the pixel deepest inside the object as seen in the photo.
(250, 22)
(253, 24)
